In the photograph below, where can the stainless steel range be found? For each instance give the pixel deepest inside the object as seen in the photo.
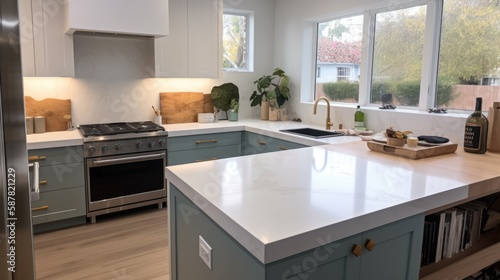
(124, 165)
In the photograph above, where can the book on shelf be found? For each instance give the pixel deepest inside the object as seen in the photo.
(452, 231)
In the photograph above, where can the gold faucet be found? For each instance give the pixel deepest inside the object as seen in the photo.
(328, 122)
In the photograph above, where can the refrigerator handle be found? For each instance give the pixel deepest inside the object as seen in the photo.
(35, 190)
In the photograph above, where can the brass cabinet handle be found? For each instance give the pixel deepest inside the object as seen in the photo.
(45, 207)
(201, 160)
(43, 182)
(34, 158)
(370, 244)
(283, 148)
(357, 250)
(206, 141)
(262, 142)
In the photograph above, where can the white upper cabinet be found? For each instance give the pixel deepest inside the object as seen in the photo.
(45, 48)
(193, 48)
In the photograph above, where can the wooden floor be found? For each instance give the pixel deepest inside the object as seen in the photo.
(131, 245)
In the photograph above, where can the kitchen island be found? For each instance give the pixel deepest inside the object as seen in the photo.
(279, 209)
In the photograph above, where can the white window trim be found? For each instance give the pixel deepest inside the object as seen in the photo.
(250, 38)
(430, 58)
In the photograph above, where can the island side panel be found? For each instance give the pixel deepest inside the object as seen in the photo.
(229, 259)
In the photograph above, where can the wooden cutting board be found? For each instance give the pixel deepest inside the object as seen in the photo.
(181, 107)
(413, 153)
(52, 109)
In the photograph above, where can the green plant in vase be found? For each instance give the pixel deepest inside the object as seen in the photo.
(276, 93)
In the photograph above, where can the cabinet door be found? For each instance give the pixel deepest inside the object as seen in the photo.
(396, 250)
(26, 34)
(334, 260)
(171, 52)
(59, 205)
(53, 48)
(193, 48)
(199, 155)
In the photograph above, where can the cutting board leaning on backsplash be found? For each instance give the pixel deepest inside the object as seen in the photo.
(52, 109)
(183, 107)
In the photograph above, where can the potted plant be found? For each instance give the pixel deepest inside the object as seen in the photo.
(233, 110)
(396, 137)
(223, 95)
(271, 95)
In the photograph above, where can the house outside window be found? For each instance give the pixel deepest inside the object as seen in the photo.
(343, 74)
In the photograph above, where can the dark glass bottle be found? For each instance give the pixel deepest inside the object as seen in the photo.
(476, 130)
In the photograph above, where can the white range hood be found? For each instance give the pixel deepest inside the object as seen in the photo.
(128, 17)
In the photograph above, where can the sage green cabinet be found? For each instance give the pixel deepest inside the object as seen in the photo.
(203, 147)
(62, 188)
(257, 143)
(395, 253)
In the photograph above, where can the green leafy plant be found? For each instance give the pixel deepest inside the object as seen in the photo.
(223, 95)
(276, 93)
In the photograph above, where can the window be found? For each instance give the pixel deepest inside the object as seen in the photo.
(397, 56)
(442, 54)
(237, 37)
(343, 74)
(338, 49)
(469, 57)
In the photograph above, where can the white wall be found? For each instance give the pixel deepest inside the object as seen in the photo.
(293, 23)
(111, 83)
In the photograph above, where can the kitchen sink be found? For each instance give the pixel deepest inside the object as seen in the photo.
(314, 133)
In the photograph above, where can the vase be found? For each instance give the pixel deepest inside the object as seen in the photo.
(398, 142)
(264, 110)
(275, 114)
(232, 115)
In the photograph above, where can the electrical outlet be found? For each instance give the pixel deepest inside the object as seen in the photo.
(205, 252)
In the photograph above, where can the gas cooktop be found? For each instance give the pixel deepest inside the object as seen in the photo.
(104, 129)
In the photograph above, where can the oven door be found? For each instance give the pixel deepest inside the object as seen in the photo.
(126, 179)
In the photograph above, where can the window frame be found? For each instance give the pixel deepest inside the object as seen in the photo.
(430, 59)
(250, 23)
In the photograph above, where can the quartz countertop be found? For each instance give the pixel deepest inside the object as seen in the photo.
(54, 139)
(279, 204)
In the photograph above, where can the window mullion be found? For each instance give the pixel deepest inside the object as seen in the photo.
(367, 58)
(430, 61)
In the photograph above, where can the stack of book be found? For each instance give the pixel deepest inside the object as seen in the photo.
(452, 231)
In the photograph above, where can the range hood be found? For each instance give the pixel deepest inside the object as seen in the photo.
(123, 17)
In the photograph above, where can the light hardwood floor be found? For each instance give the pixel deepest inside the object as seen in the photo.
(131, 245)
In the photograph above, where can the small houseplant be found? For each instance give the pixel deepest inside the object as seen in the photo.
(234, 107)
(223, 95)
(276, 93)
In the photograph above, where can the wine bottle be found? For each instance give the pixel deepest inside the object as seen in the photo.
(476, 130)
(359, 119)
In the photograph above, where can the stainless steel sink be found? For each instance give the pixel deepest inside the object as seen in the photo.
(313, 133)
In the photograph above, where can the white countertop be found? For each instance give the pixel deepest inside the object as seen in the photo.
(279, 204)
(54, 139)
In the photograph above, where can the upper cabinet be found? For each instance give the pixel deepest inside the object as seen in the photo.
(45, 48)
(193, 48)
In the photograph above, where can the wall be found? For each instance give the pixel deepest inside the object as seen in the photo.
(111, 83)
(293, 24)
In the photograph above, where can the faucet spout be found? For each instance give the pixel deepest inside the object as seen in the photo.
(328, 122)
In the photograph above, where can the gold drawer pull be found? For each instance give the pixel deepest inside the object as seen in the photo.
(43, 182)
(45, 207)
(357, 250)
(262, 142)
(283, 148)
(206, 141)
(34, 158)
(201, 160)
(370, 244)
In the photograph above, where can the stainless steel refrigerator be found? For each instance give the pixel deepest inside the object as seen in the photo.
(16, 235)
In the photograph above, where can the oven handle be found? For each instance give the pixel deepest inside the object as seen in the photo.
(126, 159)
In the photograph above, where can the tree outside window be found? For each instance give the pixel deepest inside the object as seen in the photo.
(236, 41)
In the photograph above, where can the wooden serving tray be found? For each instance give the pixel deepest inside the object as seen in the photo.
(413, 153)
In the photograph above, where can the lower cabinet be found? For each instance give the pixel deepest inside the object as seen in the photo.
(388, 252)
(254, 143)
(203, 147)
(62, 200)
